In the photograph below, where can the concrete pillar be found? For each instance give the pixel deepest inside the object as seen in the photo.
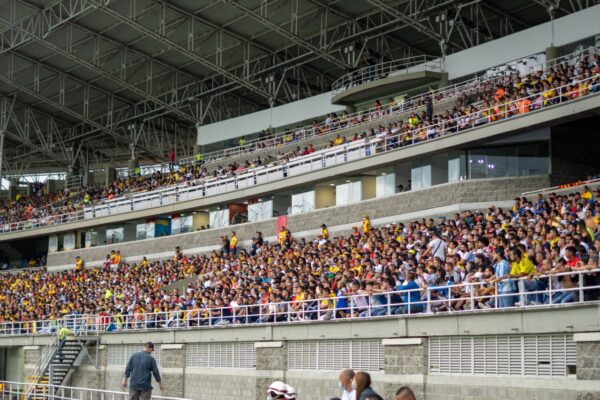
(54, 186)
(88, 178)
(31, 358)
(13, 189)
(405, 357)
(87, 375)
(552, 53)
(443, 80)
(588, 356)
(132, 165)
(111, 175)
(173, 369)
(271, 357)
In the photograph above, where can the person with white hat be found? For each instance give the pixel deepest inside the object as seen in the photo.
(276, 390)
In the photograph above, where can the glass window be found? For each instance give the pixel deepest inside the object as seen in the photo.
(518, 160)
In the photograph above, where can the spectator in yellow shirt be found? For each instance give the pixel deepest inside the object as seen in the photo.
(366, 225)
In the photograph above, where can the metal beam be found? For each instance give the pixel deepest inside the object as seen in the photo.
(5, 76)
(288, 35)
(44, 22)
(414, 23)
(182, 50)
(73, 57)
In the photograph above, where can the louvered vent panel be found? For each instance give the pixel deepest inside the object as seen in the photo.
(434, 354)
(333, 355)
(221, 355)
(118, 354)
(541, 356)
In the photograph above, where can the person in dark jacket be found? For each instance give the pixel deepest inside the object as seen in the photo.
(363, 386)
(140, 368)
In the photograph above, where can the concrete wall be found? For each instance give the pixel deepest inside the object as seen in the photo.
(287, 114)
(398, 206)
(405, 350)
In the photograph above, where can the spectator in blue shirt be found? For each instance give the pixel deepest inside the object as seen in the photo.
(506, 286)
(411, 296)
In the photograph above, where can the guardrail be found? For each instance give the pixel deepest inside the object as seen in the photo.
(563, 187)
(415, 103)
(363, 148)
(383, 70)
(509, 294)
(39, 391)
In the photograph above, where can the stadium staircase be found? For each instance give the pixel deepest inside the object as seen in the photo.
(57, 360)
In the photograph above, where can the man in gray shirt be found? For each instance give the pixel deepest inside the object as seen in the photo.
(140, 367)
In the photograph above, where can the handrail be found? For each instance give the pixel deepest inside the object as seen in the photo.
(49, 391)
(309, 131)
(432, 299)
(384, 142)
(562, 187)
(46, 356)
(382, 70)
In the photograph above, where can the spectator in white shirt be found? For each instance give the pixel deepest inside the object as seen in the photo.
(345, 382)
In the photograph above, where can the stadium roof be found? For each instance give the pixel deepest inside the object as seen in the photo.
(86, 82)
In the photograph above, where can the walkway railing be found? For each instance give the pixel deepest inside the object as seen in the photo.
(563, 187)
(385, 69)
(382, 143)
(38, 391)
(415, 103)
(541, 291)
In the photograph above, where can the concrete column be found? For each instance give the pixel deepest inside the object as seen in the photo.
(173, 369)
(588, 356)
(87, 375)
(552, 53)
(88, 178)
(13, 189)
(272, 358)
(132, 165)
(31, 358)
(443, 80)
(111, 175)
(407, 358)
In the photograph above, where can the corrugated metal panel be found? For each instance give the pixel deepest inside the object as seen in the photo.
(334, 355)
(118, 354)
(221, 355)
(540, 356)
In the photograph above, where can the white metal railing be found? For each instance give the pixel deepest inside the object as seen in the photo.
(297, 135)
(561, 187)
(39, 391)
(47, 354)
(383, 70)
(364, 304)
(383, 142)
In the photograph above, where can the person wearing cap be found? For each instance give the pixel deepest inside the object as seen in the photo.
(277, 390)
(140, 368)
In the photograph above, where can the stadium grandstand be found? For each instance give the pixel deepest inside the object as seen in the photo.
(299, 199)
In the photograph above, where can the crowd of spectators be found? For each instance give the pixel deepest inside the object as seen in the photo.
(512, 96)
(472, 260)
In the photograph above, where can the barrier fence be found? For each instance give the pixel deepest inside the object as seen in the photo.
(575, 287)
(414, 104)
(325, 158)
(40, 391)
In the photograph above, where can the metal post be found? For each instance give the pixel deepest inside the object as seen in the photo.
(2, 134)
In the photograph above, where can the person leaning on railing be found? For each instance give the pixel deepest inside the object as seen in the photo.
(507, 100)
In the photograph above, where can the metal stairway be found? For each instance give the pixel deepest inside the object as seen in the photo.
(57, 360)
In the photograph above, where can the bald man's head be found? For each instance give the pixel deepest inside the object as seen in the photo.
(345, 378)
